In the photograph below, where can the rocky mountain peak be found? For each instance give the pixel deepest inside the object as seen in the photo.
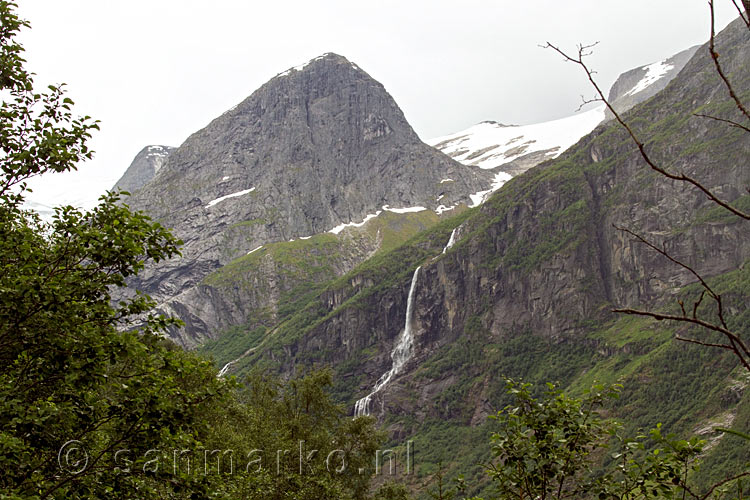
(144, 167)
(327, 61)
(319, 145)
(638, 84)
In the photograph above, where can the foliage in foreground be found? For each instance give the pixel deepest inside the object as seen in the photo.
(94, 402)
(549, 447)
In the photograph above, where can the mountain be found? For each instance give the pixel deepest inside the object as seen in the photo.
(318, 146)
(422, 336)
(513, 149)
(639, 84)
(143, 168)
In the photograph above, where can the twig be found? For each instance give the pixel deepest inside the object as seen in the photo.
(731, 123)
(746, 15)
(740, 351)
(706, 344)
(723, 482)
(585, 50)
(664, 253)
(719, 70)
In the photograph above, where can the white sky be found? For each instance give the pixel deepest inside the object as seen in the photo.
(156, 71)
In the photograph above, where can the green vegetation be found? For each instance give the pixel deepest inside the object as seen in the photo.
(94, 402)
(232, 343)
(71, 374)
(384, 272)
(545, 448)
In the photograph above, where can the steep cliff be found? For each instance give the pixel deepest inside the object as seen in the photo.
(317, 146)
(143, 168)
(528, 286)
(638, 84)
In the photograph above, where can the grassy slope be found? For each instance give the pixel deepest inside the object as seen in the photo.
(684, 386)
(304, 268)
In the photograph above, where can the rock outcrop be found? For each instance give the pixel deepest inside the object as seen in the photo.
(639, 84)
(143, 168)
(317, 146)
(542, 259)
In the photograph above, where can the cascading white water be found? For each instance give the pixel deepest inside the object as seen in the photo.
(400, 354)
(225, 369)
(451, 240)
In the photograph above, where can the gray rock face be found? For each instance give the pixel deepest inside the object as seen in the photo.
(144, 167)
(639, 84)
(316, 146)
(543, 255)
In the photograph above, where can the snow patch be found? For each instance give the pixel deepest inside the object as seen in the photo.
(157, 151)
(341, 227)
(368, 217)
(224, 178)
(479, 198)
(226, 197)
(446, 180)
(654, 72)
(403, 210)
(301, 66)
(442, 208)
(488, 145)
(254, 249)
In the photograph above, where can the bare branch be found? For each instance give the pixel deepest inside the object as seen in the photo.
(585, 101)
(725, 481)
(584, 50)
(698, 303)
(745, 16)
(665, 254)
(734, 344)
(724, 120)
(700, 342)
(739, 350)
(719, 70)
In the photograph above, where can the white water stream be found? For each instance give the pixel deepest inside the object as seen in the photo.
(225, 368)
(400, 354)
(451, 240)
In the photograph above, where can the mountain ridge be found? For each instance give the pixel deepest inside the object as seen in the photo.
(310, 150)
(528, 286)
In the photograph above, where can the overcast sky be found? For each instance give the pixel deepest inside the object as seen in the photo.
(156, 71)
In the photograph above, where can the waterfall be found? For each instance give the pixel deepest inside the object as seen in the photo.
(451, 240)
(400, 354)
(225, 369)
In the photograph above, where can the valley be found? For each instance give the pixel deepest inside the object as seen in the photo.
(306, 269)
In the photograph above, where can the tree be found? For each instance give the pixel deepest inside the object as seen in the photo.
(544, 446)
(90, 405)
(392, 491)
(289, 440)
(74, 389)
